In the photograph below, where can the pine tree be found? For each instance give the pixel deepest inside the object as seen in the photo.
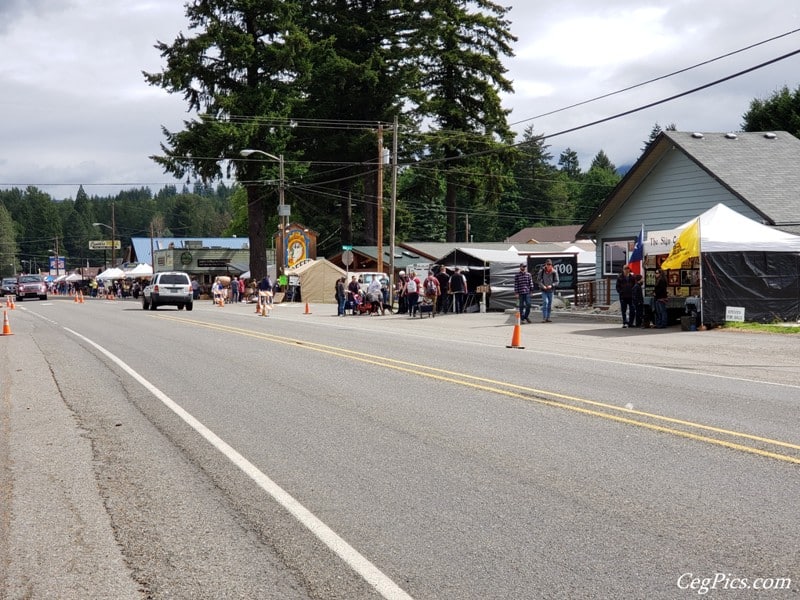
(243, 72)
(8, 244)
(459, 45)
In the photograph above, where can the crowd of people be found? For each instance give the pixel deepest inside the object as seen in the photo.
(630, 289)
(437, 292)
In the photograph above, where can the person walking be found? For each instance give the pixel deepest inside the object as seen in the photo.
(625, 283)
(523, 284)
(431, 290)
(458, 289)
(548, 281)
(265, 290)
(235, 290)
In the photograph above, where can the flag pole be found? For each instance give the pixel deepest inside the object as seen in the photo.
(702, 326)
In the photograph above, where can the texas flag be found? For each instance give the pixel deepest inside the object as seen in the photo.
(637, 256)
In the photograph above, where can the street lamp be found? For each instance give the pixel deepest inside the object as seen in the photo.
(282, 210)
(58, 259)
(113, 236)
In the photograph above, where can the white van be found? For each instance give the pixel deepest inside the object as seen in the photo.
(366, 277)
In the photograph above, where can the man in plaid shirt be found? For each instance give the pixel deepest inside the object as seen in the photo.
(523, 283)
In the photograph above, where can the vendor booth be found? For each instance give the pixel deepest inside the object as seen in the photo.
(489, 274)
(744, 269)
(314, 281)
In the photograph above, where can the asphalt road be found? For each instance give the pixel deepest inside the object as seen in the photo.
(220, 454)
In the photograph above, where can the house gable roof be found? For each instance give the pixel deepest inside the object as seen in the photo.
(535, 235)
(761, 169)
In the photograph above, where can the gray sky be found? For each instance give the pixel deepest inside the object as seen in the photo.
(76, 109)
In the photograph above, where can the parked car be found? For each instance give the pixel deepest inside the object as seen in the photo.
(9, 286)
(31, 286)
(366, 277)
(170, 288)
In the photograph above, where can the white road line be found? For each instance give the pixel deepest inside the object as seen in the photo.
(369, 572)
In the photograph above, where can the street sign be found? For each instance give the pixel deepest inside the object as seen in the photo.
(347, 257)
(104, 245)
(347, 247)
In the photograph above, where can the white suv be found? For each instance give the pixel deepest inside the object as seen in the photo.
(170, 288)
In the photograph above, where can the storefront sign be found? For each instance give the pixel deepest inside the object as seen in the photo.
(566, 266)
(734, 314)
(214, 263)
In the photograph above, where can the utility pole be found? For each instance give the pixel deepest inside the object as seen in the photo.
(113, 235)
(393, 211)
(379, 215)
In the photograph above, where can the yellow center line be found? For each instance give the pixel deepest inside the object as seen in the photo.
(523, 392)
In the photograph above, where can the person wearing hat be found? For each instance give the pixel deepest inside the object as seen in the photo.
(523, 284)
(548, 281)
(625, 283)
(400, 293)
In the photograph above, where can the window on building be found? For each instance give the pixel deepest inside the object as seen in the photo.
(615, 256)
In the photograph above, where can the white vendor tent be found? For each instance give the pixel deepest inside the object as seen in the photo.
(748, 265)
(317, 280)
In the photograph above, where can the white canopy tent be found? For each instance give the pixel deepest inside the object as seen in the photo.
(140, 270)
(112, 273)
(748, 266)
(724, 230)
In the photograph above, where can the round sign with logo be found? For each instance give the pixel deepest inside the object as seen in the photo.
(186, 258)
(347, 257)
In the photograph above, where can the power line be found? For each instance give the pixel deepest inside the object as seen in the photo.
(659, 78)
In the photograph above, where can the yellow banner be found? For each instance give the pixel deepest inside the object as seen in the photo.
(686, 246)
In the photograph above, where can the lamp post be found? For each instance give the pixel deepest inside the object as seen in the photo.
(282, 212)
(58, 259)
(113, 237)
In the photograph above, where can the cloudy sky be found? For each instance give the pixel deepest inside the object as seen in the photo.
(76, 109)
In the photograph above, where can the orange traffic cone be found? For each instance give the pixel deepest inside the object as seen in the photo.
(308, 310)
(13, 304)
(80, 299)
(516, 338)
(258, 306)
(6, 326)
(75, 298)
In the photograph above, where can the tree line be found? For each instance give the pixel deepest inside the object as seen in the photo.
(317, 86)
(33, 225)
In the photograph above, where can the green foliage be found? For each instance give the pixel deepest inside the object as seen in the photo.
(8, 244)
(779, 112)
(596, 185)
(243, 72)
(459, 46)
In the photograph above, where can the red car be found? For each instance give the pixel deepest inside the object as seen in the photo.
(31, 286)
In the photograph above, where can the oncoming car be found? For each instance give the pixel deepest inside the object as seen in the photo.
(9, 286)
(31, 286)
(170, 288)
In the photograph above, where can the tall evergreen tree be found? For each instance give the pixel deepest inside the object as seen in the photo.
(459, 45)
(361, 77)
(534, 175)
(8, 244)
(596, 184)
(243, 72)
(779, 112)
